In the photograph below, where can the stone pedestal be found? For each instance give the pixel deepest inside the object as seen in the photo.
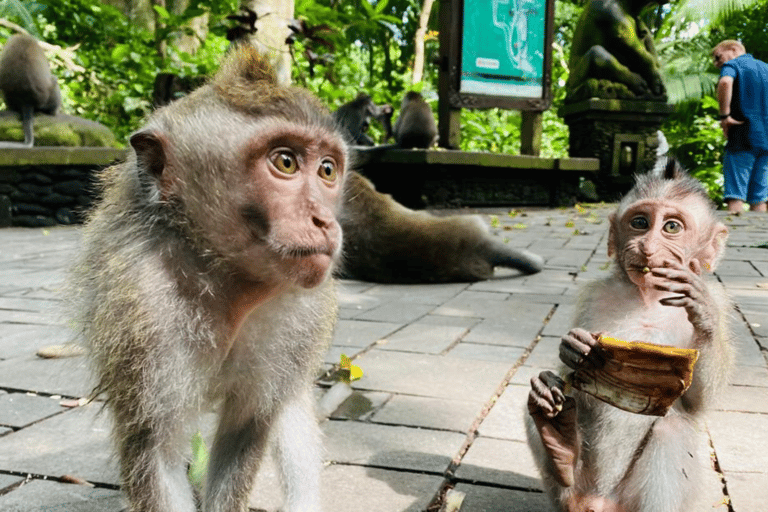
(621, 134)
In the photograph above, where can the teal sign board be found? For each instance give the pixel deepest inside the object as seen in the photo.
(503, 48)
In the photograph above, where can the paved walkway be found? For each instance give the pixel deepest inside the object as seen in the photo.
(441, 402)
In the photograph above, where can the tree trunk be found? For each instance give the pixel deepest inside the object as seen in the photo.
(272, 31)
(421, 34)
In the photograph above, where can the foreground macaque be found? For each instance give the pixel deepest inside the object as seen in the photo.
(595, 457)
(27, 83)
(205, 281)
(415, 126)
(386, 242)
(355, 117)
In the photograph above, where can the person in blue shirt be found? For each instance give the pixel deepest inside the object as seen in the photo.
(742, 93)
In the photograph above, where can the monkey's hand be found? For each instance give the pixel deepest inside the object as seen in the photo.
(694, 296)
(554, 415)
(579, 349)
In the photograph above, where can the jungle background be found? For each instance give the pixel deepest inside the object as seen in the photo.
(107, 53)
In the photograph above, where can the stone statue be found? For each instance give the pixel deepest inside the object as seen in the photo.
(612, 55)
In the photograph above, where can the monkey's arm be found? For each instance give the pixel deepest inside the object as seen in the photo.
(708, 313)
(724, 97)
(554, 416)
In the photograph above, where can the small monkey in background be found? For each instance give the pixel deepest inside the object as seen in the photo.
(27, 84)
(386, 242)
(592, 456)
(355, 117)
(415, 126)
(204, 282)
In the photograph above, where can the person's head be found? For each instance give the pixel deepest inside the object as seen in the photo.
(727, 50)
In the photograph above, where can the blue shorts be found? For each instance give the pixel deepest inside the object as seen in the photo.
(746, 175)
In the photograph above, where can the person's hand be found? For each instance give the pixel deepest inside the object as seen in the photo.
(726, 124)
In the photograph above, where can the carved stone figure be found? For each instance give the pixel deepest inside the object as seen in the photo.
(612, 55)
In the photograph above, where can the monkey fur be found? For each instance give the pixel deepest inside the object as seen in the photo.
(355, 116)
(386, 242)
(204, 284)
(415, 126)
(595, 457)
(27, 83)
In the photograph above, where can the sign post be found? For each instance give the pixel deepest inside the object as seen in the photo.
(495, 53)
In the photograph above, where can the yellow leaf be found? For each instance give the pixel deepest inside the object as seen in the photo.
(355, 373)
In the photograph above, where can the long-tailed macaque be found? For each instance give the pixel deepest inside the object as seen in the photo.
(592, 456)
(386, 242)
(415, 126)
(27, 84)
(355, 117)
(205, 281)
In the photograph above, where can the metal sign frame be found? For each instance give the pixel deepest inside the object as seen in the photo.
(486, 81)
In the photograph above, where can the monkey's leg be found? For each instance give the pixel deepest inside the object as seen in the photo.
(154, 472)
(299, 452)
(666, 475)
(235, 456)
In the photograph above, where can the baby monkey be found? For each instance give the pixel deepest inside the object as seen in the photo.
(593, 456)
(204, 282)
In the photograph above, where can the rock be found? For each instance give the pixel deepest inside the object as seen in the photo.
(58, 130)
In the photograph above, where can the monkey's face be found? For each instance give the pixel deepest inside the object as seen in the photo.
(657, 233)
(291, 193)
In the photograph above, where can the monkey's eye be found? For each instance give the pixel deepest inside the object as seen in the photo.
(327, 171)
(639, 222)
(672, 227)
(284, 162)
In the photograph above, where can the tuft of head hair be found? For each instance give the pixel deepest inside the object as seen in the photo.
(669, 180)
(729, 44)
(247, 82)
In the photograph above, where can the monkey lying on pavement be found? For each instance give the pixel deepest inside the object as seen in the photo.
(386, 242)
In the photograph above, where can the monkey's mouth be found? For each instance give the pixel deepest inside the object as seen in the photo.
(299, 252)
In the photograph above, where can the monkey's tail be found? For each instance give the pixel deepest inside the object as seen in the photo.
(27, 120)
(524, 261)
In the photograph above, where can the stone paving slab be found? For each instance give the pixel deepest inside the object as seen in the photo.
(748, 491)
(393, 447)
(493, 499)
(429, 375)
(75, 443)
(68, 377)
(438, 361)
(20, 409)
(500, 462)
(43, 496)
(431, 413)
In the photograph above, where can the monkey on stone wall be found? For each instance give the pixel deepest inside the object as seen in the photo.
(355, 117)
(27, 84)
(415, 126)
(205, 282)
(386, 242)
(596, 457)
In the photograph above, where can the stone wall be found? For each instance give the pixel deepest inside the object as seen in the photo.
(49, 186)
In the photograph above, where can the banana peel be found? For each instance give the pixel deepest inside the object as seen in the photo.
(638, 377)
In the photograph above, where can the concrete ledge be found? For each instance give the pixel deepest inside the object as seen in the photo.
(55, 155)
(447, 157)
(447, 178)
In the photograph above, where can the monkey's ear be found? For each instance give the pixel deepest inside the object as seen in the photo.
(714, 248)
(150, 152)
(612, 220)
(151, 149)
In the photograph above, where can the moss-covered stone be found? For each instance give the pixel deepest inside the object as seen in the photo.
(59, 130)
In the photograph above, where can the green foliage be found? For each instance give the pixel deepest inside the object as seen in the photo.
(695, 138)
(119, 60)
